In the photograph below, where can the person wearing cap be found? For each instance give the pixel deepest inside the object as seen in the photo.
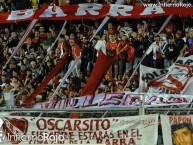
(76, 52)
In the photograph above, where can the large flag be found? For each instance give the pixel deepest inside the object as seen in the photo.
(177, 79)
(94, 11)
(177, 130)
(147, 74)
(99, 71)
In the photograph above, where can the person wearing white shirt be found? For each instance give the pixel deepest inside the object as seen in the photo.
(155, 48)
(101, 45)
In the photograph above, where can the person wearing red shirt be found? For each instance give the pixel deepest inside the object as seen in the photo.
(112, 50)
(122, 55)
(75, 49)
(37, 37)
(130, 50)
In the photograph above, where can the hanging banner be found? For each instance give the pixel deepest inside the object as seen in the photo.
(177, 79)
(93, 11)
(119, 99)
(148, 74)
(99, 71)
(177, 130)
(134, 130)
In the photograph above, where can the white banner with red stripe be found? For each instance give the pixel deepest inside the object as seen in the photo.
(177, 79)
(119, 99)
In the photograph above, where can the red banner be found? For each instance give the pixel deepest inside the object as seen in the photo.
(92, 11)
(102, 65)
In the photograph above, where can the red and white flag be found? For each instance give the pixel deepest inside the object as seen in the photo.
(177, 79)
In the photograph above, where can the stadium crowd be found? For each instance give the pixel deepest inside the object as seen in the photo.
(128, 39)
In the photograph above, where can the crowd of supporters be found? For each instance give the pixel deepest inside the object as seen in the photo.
(127, 39)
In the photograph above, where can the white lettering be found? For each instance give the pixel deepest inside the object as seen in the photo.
(45, 136)
(150, 10)
(121, 9)
(88, 8)
(17, 15)
(49, 12)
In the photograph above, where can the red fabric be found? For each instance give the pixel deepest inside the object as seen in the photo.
(130, 51)
(112, 79)
(99, 71)
(75, 51)
(112, 46)
(74, 115)
(158, 54)
(120, 46)
(106, 10)
(170, 28)
(29, 100)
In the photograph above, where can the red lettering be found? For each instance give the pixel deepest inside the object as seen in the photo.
(112, 98)
(119, 134)
(97, 124)
(80, 135)
(122, 142)
(71, 135)
(77, 125)
(133, 132)
(86, 124)
(57, 126)
(115, 141)
(91, 122)
(68, 126)
(132, 142)
(51, 124)
(41, 121)
(107, 122)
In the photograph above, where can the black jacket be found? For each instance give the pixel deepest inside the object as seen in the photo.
(170, 51)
